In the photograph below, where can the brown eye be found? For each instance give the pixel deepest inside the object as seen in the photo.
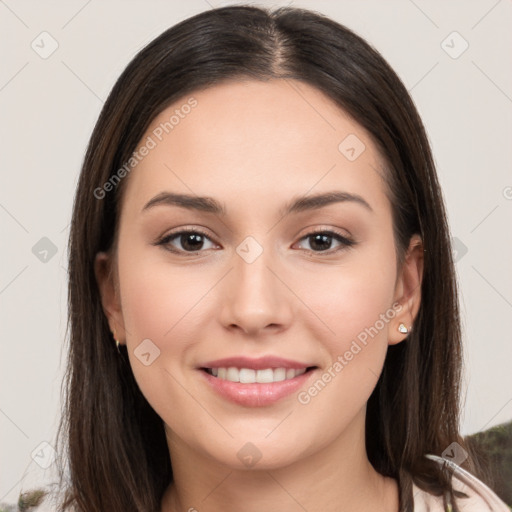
(321, 241)
(190, 241)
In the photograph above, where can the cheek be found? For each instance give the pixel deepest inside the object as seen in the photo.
(354, 300)
(356, 309)
(160, 303)
(158, 300)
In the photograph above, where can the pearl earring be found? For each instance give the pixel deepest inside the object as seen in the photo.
(116, 340)
(403, 329)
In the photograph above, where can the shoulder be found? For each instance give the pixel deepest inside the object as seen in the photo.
(480, 498)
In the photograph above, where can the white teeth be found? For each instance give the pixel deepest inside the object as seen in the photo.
(233, 374)
(250, 376)
(246, 375)
(265, 376)
(279, 374)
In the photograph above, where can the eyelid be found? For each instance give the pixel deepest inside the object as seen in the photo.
(312, 231)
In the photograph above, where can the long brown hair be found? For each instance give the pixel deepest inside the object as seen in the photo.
(117, 454)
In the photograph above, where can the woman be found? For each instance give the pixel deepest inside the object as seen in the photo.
(263, 304)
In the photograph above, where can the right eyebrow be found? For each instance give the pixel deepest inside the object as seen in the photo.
(204, 204)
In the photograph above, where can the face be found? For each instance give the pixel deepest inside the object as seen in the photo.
(260, 273)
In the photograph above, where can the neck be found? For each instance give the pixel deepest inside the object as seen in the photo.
(337, 478)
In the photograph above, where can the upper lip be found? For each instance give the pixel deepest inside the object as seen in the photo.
(259, 363)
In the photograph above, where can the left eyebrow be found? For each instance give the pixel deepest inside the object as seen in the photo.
(316, 201)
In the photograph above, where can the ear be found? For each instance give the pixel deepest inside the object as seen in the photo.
(109, 292)
(408, 290)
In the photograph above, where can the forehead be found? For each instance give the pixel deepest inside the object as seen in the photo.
(282, 137)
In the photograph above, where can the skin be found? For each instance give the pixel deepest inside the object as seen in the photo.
(254, 146)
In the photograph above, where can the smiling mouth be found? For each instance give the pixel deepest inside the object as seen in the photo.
(251, 376)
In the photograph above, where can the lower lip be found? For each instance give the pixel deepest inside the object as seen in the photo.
(256, 394)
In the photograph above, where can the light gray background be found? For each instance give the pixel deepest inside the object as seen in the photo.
(48, 109)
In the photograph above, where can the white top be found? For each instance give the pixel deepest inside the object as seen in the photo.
(480, 497)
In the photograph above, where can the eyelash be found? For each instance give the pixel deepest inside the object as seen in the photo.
(346, 243)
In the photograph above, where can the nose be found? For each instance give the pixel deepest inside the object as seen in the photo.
(255, 297)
